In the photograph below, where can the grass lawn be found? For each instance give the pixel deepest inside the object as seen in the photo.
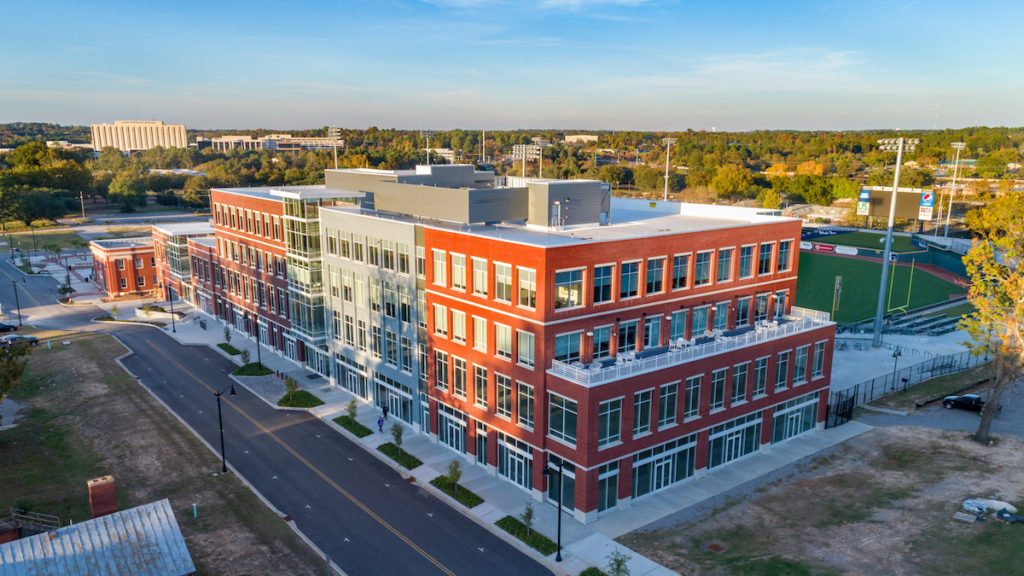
(23, 240)
(404, 459)
(869, 240)
(534, 539)
(299, 399)
(84, 417)
(464, 496)
(229, 348)
(818, 273)
(934, 388)
(352, 426)
(252, 369)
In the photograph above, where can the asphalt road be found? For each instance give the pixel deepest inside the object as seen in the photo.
(354, 507)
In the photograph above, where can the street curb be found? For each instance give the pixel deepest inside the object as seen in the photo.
(291, 523)
(870, 408)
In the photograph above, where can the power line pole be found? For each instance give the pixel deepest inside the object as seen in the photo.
(668, 154)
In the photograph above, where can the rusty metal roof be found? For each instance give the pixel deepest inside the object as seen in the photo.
(141, 541)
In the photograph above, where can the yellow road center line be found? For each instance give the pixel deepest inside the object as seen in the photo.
(309, 465)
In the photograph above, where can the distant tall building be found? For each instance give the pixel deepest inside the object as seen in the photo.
(131, 135)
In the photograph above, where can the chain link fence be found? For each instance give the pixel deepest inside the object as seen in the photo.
(907, 376)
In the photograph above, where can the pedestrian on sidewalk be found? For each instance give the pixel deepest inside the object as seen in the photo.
(385, 412)
(380, 424)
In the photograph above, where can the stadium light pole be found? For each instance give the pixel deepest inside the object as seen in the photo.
(427, 134)
(958, 146)
(668, 154)
(897, 144)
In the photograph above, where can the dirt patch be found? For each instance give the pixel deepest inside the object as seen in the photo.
(88, 418)
(882, 504)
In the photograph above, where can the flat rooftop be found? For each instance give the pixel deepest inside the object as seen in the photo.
(186, 228)
(295, 192)
(630, 219)
(133, 242)
(204, 240)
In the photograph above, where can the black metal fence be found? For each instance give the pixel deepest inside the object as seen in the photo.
(908, 376)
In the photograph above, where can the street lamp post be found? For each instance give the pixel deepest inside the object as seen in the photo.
(14, 283)
(220, 421)
(895, 362)
(898, 144)
(548, 471)
(668, 154)
(170, 291)
(958, 146)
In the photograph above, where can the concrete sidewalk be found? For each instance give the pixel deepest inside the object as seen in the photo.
(583, 545)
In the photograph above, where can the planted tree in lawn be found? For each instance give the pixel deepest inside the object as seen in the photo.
(227, 334)
(527, 518)
(454, 474)
(291, 386)
(617, 563)
(397, 432)
(114, 311)
(995, 266)
(351, 409)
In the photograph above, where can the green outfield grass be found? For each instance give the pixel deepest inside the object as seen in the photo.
(869, 240)
(860, 286)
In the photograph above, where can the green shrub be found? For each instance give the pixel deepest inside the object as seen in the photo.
(404, 459)
(229, 348)
(592, 572)
(299, 399)
(252, 369)
(350, 424)
(534, 540)
(465, 497)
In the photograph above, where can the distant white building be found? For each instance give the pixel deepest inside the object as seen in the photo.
(580, 138)
(279, 142)
(132, 136)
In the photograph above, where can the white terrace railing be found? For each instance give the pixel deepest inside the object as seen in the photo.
(624, 367)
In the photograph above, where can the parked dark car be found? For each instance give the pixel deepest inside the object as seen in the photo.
(18, 339)
(7, 327)
(971, 402)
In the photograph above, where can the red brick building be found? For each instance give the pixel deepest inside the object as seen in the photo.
(637, 354)
(124, 266)
(173, 269)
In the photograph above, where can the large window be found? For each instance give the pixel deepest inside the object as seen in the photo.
(724, 265)
(739, 383)
(680, 271)
(692, 407)
(667, 397)
(480, 386)
(627, 336)
(480, 333)
(702, 270)
(525, 405)
(760, 376)
(794, 417)
(458, 326)
(718, 388)
(743, 311)
(655, 275)
(440, 268)
(721, 316)
(734, 439)
(761, 308)
(800, 365)
(609, 422)
(677, 327)
(819, 360)
(503, 282)
(603, 283)
(602, 342)
(479, 277)
(503, 341)
(568, 289)
(527, 288)
(642, 412)
(441, 369)
(663, 465)
(458, 377)
(561, 418)
(652, 332)
(700, 321)
(525, 348)
(458, 271)
(503, 396)
(784, 255)
(764, 262)
(746, 261)
(629, 280)
(567, 347)
(782, 370)
(440, 320)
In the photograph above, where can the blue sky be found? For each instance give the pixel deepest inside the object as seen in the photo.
(501, 64)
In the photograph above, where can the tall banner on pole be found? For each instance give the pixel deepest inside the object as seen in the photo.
(864, 203)
(927, 204)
